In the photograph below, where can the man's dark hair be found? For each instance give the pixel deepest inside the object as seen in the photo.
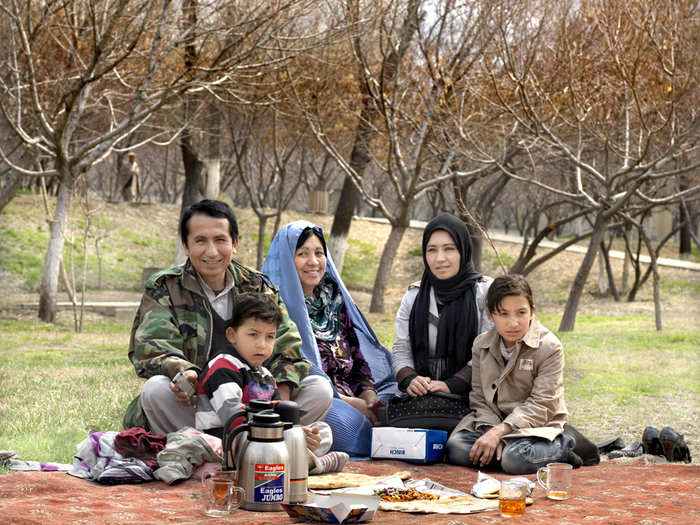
(212, 208)
(505, 285)
(258, 305)
(305, 234)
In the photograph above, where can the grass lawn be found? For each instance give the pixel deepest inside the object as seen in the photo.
(57, 385)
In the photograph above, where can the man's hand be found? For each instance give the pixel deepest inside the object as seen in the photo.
(487, 445)
(285, 391)
(313, 438)
(181, 396)
(419, 386)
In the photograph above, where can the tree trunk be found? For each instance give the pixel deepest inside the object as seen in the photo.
(604, 252)
(385, 263)
(569, 318)
(349, 198)
(684, 248)
(262, 221)
(54, 252)
(602, 278)
(193, 190)
(360, 155)
(12, 186)
(477, 249)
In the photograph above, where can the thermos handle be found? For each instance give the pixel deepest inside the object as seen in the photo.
(229, 461)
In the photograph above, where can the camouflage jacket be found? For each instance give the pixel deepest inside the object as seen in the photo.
(172, 327)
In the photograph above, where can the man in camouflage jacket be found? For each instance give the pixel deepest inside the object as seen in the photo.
(174, 328)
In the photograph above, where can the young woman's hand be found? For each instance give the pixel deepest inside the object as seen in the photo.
(439, 386)
(419, 386)
(488, 444)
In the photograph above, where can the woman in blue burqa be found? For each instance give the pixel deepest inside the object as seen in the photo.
(336, 337)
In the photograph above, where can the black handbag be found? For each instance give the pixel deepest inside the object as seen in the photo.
(435, 410)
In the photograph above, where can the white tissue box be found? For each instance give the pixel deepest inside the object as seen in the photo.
(409, 444)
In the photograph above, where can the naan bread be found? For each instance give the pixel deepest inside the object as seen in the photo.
(341, 480)
(445, 505)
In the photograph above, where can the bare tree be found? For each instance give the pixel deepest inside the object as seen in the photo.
(79, 76)
(610, 87)
(413, 146)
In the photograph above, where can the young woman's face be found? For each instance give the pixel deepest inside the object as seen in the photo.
(512, 318)
(310, 262)
(442, 255)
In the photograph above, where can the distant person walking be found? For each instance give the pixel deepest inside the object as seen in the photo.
(131, 191)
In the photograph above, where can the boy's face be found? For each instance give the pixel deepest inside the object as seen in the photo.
(254, 339)
(512, 318)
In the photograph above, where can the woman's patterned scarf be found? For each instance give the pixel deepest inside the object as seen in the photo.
(324, 309)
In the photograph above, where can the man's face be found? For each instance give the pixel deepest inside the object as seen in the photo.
(210, 248)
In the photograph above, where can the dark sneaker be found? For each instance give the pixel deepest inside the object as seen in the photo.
(611, 444)
(630, 451)
(673, 445)
(651, 442)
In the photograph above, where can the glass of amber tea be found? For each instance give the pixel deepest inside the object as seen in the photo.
(511, 498)
(557, 480)
(221, 495)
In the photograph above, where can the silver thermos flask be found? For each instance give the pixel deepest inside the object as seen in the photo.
(254, 406)
(263, 467)
(295, 440)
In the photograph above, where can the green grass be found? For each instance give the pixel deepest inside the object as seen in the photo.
(125, 249)
(622, 361)
(360, 264)
(56, 385)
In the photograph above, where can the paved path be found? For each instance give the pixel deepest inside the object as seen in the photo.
(576, 248)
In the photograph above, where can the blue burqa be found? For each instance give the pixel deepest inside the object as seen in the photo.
(351, 429)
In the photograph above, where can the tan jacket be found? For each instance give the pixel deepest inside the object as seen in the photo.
(527, 392)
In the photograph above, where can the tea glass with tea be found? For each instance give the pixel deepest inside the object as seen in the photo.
(511, 498)
(557, 480)
(221, 495)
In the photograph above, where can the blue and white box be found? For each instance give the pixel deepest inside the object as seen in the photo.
(408, 444)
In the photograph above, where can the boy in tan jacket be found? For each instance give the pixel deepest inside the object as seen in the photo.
(517, 397)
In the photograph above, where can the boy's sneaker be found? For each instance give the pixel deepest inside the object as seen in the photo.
(6, 456)
(651, 442)
(674, 445)
(611, 444)
(630, 451)
(331, 462)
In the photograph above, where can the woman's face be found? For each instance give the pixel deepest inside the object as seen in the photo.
(310, 262)
(442, 255)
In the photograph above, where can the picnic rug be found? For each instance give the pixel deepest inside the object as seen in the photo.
(611, 493)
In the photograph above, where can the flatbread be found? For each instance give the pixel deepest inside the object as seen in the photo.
(341, 480)
(444, 505)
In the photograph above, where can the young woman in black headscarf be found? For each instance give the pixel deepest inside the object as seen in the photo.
(440, 316)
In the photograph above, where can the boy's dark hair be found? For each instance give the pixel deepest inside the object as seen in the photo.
(306, 233)
(505, 285)
(258, 305)
(216, 209)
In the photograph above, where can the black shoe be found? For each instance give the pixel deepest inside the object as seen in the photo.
(674, 446)
(630, 451)
(574, 459)
(651, 442)
(611, 444)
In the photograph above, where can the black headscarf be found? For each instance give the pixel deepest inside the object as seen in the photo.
(459, 318)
